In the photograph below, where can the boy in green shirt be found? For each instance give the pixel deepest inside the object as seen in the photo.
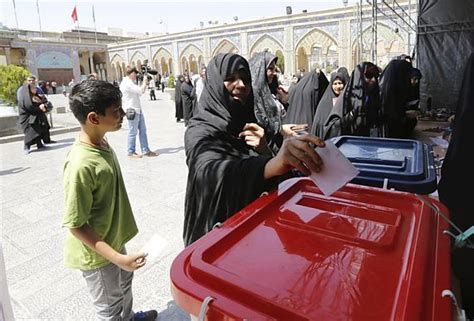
(97, 210)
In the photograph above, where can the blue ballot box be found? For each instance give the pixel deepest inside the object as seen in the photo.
(402, 164)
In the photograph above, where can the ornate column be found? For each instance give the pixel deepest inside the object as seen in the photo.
(31, 60)
(289, 50)
(207, 49)
(91, 62)
(245, 45)
(7, 55)
(176, 63)
(344, 44)
(76, 65)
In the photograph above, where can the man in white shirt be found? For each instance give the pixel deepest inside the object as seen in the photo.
(200, 84)
(131, 99)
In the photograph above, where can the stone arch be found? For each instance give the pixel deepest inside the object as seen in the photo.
(120, 71)
(116, 59)
(170, 65)
(201, 62)
(164, 68)
(184, 64)
(114, 72)
(302, 60)
(266, 43)
(281, 60)
(137, 56)
(193, 64)
(162, 55)
(225, 46)
(190, 52)
(315, 44)
(124, 69)
(386, 35)
(139, 64)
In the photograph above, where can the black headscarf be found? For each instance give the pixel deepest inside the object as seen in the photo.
(342, 71)
(325, 106)
(457, 168)
(266, 110)
(224, 173)
(394, 96)
(358, 110)
(304, 98)
(414, 92)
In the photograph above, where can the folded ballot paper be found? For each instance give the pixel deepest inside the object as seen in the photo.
(157, 247)
(336, 171)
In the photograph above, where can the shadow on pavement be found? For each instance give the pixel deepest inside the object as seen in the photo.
(13, 170)
(173, 313)
(169, 150)
(59, 144)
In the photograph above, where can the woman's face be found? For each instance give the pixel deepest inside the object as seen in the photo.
(337, 86)
(238, 85)
(33, 89)
(271, 72)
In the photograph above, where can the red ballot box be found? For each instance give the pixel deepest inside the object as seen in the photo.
(363, 254)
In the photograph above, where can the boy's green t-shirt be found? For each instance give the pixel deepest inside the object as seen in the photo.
(95, 194)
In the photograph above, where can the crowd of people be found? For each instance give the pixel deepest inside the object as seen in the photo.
(245, 134)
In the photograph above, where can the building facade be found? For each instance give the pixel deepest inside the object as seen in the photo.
(59, 57)
(325, 39)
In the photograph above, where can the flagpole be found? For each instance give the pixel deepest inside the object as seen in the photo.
(95, 25)
(16, 17)
(77, 23)
(39, 18)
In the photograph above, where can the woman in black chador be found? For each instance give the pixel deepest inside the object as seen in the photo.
(187, 96)
(358, 111)
(32, 108)
(226, 173)
(178, 100)
(305, 97)
(327, 103)
(455, 189)
(269, 99)
(397, 91)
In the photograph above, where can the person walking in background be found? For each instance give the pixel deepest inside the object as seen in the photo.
(97, 208)
(178, 100)
(187, 96)
(32, 108)
(136, 124)
(54, 85)
(151, 88)
(163, 83)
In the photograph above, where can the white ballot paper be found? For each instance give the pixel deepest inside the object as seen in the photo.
(156, 247)
(336, 171)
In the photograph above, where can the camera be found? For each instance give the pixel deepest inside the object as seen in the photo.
(146, 71)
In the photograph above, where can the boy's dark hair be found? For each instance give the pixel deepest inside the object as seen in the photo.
(93, 96)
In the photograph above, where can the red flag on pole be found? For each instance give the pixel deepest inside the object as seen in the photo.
(74, 14)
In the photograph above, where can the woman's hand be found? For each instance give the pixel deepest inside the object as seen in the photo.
(296, 152)
(289, 130)
(42, 107)
(282, 95)
(254, 136)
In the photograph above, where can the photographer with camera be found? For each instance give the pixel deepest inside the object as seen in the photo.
(131, 104)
